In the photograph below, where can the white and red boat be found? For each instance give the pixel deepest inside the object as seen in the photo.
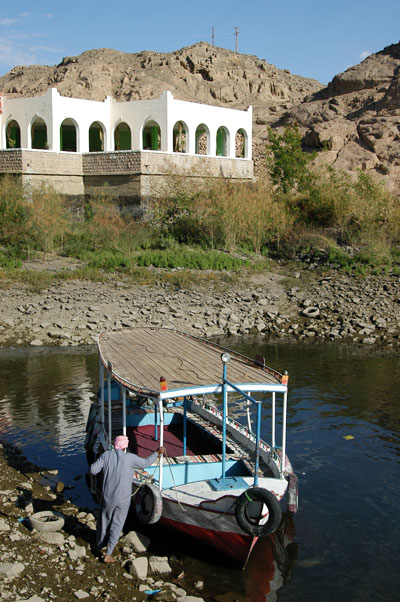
(219, 481)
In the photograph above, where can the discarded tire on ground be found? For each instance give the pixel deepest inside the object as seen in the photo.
(310, 312)
(47, 520)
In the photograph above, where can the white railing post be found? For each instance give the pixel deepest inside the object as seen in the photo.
(161, 407)
(284, 430)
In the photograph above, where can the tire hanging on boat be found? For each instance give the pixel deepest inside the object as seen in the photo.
(148, 504)
(250, 525)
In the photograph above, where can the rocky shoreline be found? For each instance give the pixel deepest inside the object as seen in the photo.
(303, 305)
(61, 565)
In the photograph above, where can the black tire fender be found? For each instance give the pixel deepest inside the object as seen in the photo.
(250, 525)
(148, 504)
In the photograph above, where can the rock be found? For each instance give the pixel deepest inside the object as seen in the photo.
(4, 526)
(60, 487)
(139, 567)
(52, 537)
(355, 117)
(190, 599)
(159, 565)
(11, 570)
(81, 595)
(77, 552)
(138, 542)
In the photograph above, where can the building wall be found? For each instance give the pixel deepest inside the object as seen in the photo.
(128, 176)
(54, 109)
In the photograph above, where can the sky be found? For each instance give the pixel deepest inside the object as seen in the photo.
(310, 38)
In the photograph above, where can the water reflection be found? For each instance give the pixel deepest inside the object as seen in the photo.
(270, 564)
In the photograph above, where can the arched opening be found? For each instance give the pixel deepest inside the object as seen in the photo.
(180, 135)
(122, 137)
(151, 136)
(241, 144)
(39, 134)
(13, 135)
(68, 138)
(222, 142)
(96, 138)
(202, 140)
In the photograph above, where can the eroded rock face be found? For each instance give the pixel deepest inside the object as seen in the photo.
(356, 118)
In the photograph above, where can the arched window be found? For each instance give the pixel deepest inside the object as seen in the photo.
(68, 138)
(180, 137)
(122, 137)
(202, 140)
(241, 144)
(151, 136)
(13, 135)
(96, 137)
(39, 134)
(222, 142)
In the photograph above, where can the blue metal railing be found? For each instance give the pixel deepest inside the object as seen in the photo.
(258, 425)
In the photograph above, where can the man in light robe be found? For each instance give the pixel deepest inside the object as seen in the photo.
(118, 469)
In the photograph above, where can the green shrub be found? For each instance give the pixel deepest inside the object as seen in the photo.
(9, 261)
(190, 259)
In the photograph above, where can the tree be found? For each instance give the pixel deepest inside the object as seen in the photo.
(287, 163)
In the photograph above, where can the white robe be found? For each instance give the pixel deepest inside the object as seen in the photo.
(118, 469)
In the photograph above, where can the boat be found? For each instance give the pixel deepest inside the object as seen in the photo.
(218, 482)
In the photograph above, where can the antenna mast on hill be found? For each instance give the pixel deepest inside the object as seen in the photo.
(212, 36)
(236, 34)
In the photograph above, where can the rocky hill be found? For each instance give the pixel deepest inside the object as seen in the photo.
(354, 121)
(356, 118)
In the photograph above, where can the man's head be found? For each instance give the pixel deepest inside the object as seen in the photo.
(121, 442)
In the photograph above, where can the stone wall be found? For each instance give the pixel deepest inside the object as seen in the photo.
(128, 176)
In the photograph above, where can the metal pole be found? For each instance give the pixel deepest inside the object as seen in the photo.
(257, 460)
(284, 430)
(248, 413)
(184, 424)
(124, 411)
(102, 393)
(155, 422)
(161, 440)
(225, 407)
(109, 409)
(273, 419)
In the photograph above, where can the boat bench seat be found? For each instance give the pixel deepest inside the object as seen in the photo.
(198, 459)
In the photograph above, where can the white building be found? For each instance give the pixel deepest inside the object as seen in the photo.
(58, 139)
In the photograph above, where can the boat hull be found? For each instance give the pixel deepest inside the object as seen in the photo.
(234, 546)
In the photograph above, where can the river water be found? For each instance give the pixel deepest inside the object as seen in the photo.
(343, 441)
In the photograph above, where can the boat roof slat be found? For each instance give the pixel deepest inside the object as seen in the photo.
(140, 356)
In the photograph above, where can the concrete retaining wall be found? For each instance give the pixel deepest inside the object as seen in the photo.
(128, 176)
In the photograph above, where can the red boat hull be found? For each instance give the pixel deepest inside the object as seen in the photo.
(235, 546)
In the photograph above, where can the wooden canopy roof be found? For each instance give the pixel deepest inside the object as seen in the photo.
(139, 357)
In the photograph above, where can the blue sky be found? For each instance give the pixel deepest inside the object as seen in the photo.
(312, 38)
